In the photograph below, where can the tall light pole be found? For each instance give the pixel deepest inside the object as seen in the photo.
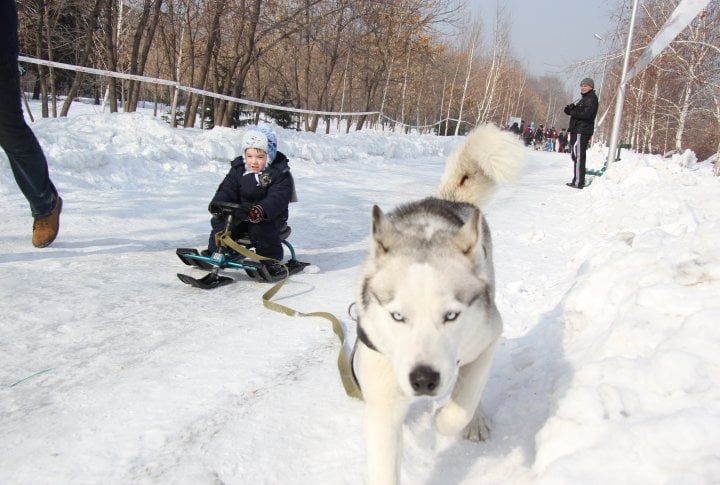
(617, 118)
(600, 124)
(603, 53)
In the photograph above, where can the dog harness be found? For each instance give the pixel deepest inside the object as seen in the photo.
(361, 337)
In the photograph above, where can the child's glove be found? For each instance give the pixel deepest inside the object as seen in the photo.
(215, 210)
(256, 214)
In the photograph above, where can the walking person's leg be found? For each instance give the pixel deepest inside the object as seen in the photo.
(27, 159)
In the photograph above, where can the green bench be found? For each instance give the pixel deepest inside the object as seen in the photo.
(620, 147)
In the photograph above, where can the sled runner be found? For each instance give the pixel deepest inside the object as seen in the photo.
(236, 254)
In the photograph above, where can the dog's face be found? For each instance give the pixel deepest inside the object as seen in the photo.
(426, 307)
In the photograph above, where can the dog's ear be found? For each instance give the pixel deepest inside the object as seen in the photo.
(383, 231)
(467, 237)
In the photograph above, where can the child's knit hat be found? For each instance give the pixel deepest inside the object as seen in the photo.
(262, 138)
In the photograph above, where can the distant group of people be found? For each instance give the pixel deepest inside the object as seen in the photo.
(574, 140)
(541, 138)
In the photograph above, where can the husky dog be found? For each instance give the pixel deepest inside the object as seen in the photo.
(427, 323)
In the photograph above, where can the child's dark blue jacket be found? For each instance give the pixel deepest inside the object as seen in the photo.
(272, 189)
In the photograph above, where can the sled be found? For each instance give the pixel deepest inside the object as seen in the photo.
(228, 258)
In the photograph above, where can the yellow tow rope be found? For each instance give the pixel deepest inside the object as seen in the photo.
(343, 360)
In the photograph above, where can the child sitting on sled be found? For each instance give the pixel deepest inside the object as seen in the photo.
(260, 181)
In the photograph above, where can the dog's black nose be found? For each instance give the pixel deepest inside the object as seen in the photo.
(424, 380)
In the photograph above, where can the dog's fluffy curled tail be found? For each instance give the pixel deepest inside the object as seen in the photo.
(488, 156)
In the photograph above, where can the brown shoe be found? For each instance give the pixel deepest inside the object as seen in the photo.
(45, 229)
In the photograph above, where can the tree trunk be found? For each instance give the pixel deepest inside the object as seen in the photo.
(682, 118)
(452, 86)
(111, 49)
(42, 79)
(652, 116)
(716, 168)
(239, 65)
(190, 111)
(50, 57)
(142, 41)
(84, 55)
(474, 37)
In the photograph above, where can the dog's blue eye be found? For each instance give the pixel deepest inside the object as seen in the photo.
(451, 316)
(397, 316)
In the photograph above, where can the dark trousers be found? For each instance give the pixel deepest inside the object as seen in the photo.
(265, 236)
(26, 157)
(578, 147)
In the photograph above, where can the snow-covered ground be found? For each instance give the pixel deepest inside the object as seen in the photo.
(113, 371)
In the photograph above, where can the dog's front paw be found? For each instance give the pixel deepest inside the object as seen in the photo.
(477, 429)
(451, 419)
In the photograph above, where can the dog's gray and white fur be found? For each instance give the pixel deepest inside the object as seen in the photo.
(427, 321)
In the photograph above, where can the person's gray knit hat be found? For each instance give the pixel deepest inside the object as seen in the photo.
(588, 81)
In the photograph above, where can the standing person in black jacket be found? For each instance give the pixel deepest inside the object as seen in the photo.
(582, 127)
(23, 151)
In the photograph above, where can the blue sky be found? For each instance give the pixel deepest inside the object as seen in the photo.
(549, 35)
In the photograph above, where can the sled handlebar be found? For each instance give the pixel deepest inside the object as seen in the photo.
(225, 209)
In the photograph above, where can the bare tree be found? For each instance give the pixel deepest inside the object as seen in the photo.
(473, 38)
(379, 55)
(84, 55)
(146, 24)
(669, 97)
(217, 9)
(36, 17)
(495, 69)
(111, 27)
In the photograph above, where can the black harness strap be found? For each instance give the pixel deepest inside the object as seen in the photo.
(363, 337)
